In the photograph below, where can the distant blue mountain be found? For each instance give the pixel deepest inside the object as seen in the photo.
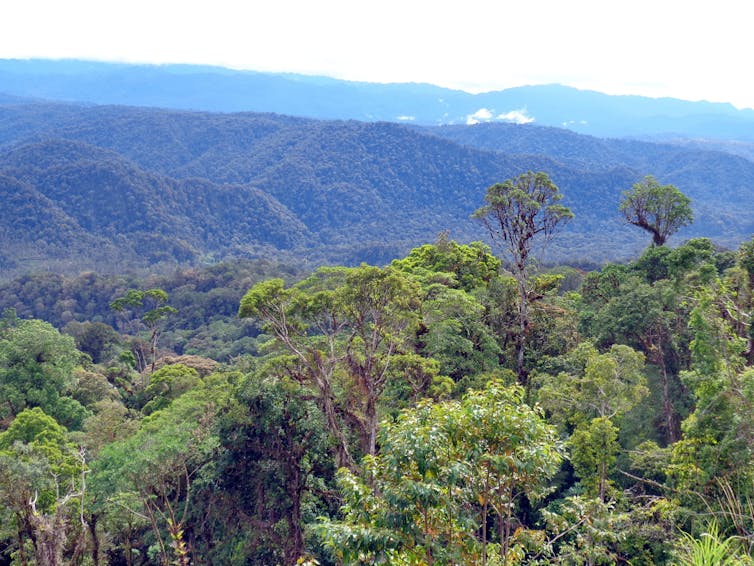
(224, 90)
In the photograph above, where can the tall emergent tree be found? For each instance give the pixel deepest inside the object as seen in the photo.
(661, 210)
(147, 307)
(518, 212)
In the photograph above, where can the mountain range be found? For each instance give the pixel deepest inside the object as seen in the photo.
(216, 89)
(91, 186)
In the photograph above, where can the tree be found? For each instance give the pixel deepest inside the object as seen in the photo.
(456, 335)
(152, 303)
(168, 383)
(42, 486)
(157, 466)
(96, 339)
(594, 447)
(718, 436)
(513, 451)
(517, 213)
(275, 460)
(465, 267)
(340, 329)
(445, 473)
(606, 386)
(602, 385)
(37, 370)
(661, 210)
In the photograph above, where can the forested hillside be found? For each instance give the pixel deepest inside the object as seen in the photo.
(254, 413)
(89, 187)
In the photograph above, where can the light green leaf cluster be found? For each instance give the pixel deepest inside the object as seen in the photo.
(444, 470)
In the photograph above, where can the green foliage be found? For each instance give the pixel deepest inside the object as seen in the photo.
(718, 435)
(33, 426)
(37, 370)
(694, 259)
(519, 210)
(148, 305)
(456, 335)
(600, 385)
(659, 209)
(402, 375)
(443, 471)
(39, 465)
(168, 383)
(98, 340)
(583, 530)
(207, 300)
(710, 549)
(111, 422)
(467, 267)
(645, 305)
(159, 465)
(412, 378)
(145, 308)
(518, 213)
(746, 257)
(342, 327)
(274, 466)
(594, 447)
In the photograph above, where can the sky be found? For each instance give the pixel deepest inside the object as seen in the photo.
(693, 50)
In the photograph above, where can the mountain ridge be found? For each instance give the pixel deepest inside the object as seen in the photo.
(218, 89)
(180, 186)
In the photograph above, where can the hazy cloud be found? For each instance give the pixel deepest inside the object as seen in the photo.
(405, 118)
(574, 122)
(481, 115)
(519, 116)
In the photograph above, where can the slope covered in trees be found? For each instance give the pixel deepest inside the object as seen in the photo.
(136, 187)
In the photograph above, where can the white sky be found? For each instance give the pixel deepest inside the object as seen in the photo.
(689, 49)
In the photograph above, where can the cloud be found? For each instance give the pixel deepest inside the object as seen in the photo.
(519, 116)
(405, 118)
(481, 115)
(574, 122)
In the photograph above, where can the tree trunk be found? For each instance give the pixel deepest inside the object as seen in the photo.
(51, 538)
(294, 548)
(371, 424)
(603, 481)
(21, 543)
(523, 323)
(656, 355)
(668, 410)
(343, 457)
(95, 540)
(153, 348)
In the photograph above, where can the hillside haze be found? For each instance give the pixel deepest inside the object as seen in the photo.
(223, 90)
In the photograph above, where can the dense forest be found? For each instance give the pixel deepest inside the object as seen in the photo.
(112, 188)
(459, 405)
